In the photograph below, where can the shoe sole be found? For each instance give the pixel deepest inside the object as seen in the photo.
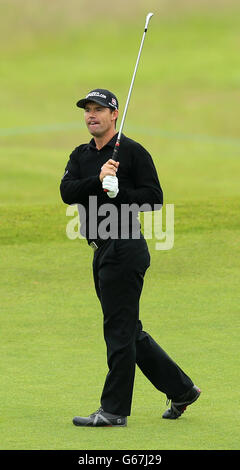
(103, 426)
(190, 402)
(82, 425)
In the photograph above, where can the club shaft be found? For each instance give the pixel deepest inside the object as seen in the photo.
(131, 87)
(117, 145)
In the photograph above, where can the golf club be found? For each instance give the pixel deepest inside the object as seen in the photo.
(117, 145)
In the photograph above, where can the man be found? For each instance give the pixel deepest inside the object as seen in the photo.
(120, 260)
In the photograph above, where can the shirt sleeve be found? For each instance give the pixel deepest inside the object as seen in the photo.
(147, 189)
(73, 188)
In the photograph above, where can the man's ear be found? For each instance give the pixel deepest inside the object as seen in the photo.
(115, 114)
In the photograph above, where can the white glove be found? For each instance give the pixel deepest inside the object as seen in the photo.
(111, 184)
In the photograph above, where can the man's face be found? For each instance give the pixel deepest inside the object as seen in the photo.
(99, 119)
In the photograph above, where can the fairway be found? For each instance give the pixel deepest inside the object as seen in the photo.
(185, 111)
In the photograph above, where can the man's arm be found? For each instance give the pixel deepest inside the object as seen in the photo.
(147, 189)
(75, 189)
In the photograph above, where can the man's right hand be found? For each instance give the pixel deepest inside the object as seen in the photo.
(109, 169)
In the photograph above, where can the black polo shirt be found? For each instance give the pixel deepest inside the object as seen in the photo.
(137, 176)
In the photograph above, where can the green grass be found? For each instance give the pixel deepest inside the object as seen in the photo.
(185, 110)
(53, 357)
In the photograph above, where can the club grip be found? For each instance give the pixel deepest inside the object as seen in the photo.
(114, 156)
(115, 151)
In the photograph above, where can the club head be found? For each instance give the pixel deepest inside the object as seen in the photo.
(149, 16)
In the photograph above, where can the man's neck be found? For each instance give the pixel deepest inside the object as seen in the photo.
(103, 140)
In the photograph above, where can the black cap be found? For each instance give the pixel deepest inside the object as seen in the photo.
(103, 97)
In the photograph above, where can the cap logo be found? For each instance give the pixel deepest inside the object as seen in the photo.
(96, 93)
(114, 102)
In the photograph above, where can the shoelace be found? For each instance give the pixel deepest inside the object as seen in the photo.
(96, 412)
(97, 415)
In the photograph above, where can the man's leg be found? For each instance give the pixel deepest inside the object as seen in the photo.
(158, 367)
(120, 271)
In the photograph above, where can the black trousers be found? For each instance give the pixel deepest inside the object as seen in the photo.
(118, 269)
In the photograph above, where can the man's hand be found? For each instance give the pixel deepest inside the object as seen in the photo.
(110, 183)
(109, 169)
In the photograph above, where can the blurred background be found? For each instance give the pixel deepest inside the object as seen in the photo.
(184, 106)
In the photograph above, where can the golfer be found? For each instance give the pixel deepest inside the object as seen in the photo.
(96, 182)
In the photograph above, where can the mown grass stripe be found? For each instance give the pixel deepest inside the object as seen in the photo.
(150, 131)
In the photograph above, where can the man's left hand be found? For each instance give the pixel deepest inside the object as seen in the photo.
(111, 184)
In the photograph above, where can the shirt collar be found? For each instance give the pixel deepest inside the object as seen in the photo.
(111, 143)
